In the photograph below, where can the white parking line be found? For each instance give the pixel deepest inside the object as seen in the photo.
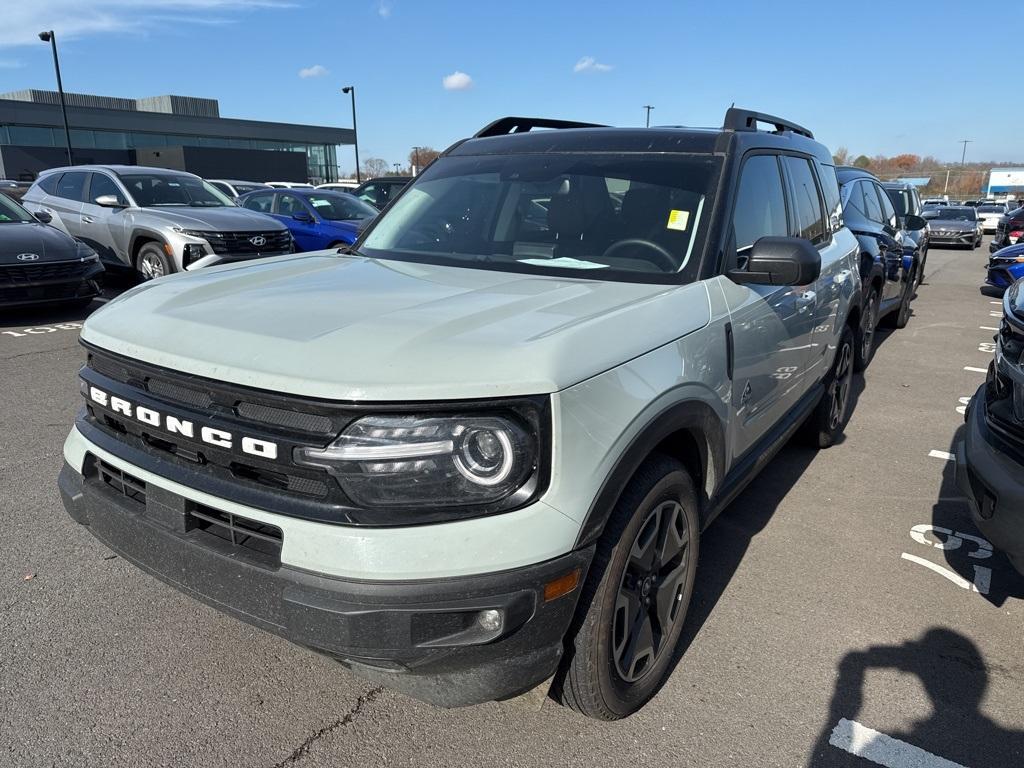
(987, 328)
(995, 302)
(942, 455)
(975, 370)
(859, 740)
(995, 314)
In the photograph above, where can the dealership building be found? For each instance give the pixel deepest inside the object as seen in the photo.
(1006, 181)
(181, 132)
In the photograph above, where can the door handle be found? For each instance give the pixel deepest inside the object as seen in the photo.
(86, 220)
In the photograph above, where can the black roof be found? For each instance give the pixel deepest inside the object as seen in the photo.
(512, 135)
(848, 172)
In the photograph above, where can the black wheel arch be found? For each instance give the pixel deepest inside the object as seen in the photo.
(689, 431)
(140, 237)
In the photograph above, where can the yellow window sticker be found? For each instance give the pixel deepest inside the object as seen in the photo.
(678, 220)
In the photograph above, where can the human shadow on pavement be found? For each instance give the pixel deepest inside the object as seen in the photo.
(954, 675)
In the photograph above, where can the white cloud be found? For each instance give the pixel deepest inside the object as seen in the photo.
(457, 81)
(317, 70)
(22, 21)
(10, 64)
(384, 8)
(590, 64)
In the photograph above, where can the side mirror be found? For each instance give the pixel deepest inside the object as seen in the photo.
(914, 222)
(109, 201)
(43, 217)
(780, 261)
(302, 217)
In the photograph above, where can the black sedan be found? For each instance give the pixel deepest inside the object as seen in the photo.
(40, 264)
(953, 225)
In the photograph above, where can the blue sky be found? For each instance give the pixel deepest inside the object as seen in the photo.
(876, 77)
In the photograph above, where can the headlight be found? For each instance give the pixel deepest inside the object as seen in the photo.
(85, 253)
(430, 461)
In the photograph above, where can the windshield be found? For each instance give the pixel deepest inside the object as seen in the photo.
(616, 217)
(241, 189)
(11, 212)
(900, 200)
(991, 209)
(160, 189)
(334, 206)
(956, 214)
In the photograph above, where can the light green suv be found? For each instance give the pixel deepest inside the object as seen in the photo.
(475, 454)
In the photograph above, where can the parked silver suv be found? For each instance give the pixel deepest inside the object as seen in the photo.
(156, 220)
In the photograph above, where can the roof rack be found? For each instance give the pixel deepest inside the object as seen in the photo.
(506, 125)
(746, 120)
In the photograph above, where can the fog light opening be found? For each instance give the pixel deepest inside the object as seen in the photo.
(490, 620)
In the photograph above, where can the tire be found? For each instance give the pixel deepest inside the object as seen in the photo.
(920, 268)
(901, 316)
(828, 419)
(865, 337)
(614, 663)
(151, 262)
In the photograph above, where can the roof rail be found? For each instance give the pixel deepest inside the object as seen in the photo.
(746, 120)
(506, 125)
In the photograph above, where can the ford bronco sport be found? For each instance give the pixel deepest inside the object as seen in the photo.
(476, 451)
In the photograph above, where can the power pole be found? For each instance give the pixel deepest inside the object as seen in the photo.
(648, 107)
(963, 157)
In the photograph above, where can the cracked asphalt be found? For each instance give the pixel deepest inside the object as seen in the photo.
(806, 611)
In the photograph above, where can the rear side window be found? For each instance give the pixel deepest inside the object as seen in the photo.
(872, 207)
(810, 218)
(760, 203)
(833, 202)
(72, 186)
(49, 183)
(888, 212)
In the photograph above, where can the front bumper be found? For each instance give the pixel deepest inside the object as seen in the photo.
(428, 638)
(959, 238)
(213, 260)
(991, 481)
(54, 283)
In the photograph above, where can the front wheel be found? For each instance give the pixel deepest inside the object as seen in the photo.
(622, 644)
(152, 262)
(827, 421)
(902, 315)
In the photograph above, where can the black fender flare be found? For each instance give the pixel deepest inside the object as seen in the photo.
(139, 234)
(693, 416)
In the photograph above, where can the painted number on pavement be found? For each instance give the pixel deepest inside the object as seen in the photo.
(40, 329)
(945, 539)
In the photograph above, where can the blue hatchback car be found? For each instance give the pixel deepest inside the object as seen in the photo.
(1005, 266)
(317, 218)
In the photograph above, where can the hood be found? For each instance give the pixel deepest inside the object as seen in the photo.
(226, 219)
(351, 328)
(48, 243)
(1009, 252)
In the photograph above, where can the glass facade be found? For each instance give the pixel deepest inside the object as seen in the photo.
(321, 159)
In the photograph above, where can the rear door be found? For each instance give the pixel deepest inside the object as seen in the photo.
(771, 325)
(65, 204)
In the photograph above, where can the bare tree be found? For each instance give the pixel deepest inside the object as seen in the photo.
(421, 157)
(375, 166)
(841, 156)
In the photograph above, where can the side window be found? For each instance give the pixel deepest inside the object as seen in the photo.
(830, 190)
(261, 201)
(289, 205)
(855, 203)
(810, 218)
(760, 203)
(49, 183)
(369, 194)
(222, 187)
(72, 186)
(871, 205)
(101, 185)
(888, 212)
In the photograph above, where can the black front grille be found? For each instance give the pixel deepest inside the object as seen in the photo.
(17, 274)
(260, 539)
(227, 243)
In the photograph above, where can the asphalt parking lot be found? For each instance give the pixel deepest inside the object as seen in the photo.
(826, 609)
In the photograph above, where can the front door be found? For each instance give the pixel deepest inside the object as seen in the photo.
(102, 227)
(771, 325)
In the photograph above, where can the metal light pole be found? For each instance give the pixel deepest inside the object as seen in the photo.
(648, 107)
(49, 37)
(416, 160)
(963, 157)
(398, 167)
(355, 133)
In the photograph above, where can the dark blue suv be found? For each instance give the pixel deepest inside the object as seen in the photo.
(317, 218)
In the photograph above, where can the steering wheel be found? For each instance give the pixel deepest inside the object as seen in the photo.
(663, 257)
(437, 231)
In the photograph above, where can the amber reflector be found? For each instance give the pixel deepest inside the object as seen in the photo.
(563, 585)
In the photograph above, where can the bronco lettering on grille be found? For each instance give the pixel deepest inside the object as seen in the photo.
(219, 438)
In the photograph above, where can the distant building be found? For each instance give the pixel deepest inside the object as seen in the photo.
(1006, 181)
(181, 132)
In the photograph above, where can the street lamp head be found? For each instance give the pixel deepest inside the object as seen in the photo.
(347, 89)
(46, 36)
